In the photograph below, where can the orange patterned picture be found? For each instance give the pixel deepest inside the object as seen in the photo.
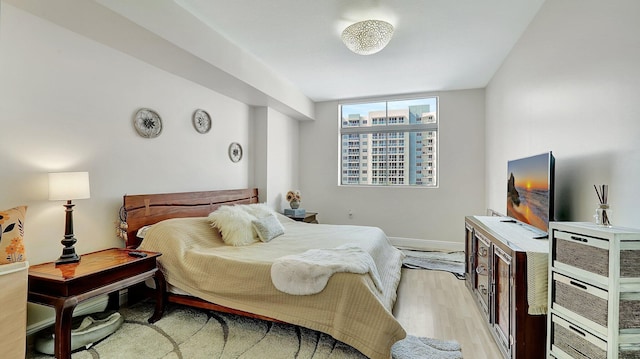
(12, 235)
(15, 250)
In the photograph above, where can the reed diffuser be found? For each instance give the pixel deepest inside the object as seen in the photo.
(603, 213)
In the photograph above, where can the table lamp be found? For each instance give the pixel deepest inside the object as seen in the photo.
(68, 186)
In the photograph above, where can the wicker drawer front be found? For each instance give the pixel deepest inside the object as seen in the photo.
(581, 298)
(629, 263)
(629, 310)
(576, 342)
(628, 354)
(584, 252)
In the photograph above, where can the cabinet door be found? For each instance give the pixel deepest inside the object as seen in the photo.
(502, 300)
(470, 251)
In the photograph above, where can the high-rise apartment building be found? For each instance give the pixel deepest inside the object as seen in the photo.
(388, 156)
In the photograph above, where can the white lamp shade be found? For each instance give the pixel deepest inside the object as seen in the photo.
(367, 37)
(68, 185)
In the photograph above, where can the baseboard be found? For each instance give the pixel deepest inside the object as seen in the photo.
(94, 305)
(426, 245)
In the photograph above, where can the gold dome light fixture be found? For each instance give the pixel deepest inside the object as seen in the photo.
(367, 37)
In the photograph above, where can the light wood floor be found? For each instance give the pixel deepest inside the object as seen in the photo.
(435, 304)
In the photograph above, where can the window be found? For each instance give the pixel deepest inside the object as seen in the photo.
(396, 135)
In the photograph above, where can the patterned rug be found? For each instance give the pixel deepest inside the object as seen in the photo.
(450, 262)
(189, 333)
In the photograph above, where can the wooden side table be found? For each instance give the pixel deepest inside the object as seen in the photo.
(104, 272)
(309, 217)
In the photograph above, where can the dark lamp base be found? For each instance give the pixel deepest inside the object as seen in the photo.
(69, 251)
(68, 258)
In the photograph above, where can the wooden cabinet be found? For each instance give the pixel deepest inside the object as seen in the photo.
(594, 292)
(63, 286)
(496, 275)
(309, 217)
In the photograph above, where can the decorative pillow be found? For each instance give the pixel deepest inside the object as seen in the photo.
(258, 210)
(268, 228)
(234, 224)
(12, 235)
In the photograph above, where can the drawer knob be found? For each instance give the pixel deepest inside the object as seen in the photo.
(482, 289)
(481, 269)
(483, 251)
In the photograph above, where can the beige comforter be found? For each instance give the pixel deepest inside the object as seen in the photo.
(350, 308)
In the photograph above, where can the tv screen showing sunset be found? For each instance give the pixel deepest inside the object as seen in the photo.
(528, 194)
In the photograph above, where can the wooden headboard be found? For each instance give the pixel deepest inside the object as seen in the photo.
(145, 209)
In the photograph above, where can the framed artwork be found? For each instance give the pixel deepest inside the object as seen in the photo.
(235, 152)
(147, 123)
(201, 121)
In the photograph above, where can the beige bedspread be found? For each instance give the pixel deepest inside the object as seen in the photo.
(350, 308)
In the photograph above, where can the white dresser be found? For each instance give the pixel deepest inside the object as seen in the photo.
(13, 310)
(594, 292)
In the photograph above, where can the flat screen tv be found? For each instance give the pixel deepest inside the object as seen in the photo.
(530, 183)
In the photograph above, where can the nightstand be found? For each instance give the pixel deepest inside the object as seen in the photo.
(309, 217)
(104, 272)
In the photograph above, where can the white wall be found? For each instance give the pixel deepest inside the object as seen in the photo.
(434, 214)
(67, 103)
(571, 85)
(275, 139)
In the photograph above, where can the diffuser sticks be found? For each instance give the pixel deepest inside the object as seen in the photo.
(602, 217)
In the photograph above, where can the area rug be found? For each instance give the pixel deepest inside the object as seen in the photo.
(445, 261)
(189, 333)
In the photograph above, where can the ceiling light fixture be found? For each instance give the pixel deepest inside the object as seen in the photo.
(367, 37)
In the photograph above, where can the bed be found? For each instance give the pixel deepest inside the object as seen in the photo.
(202, 271)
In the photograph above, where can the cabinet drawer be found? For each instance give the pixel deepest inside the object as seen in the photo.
(482, 283)
(591, 302)
(581, 298)
(583, 252)
(628, 352)
(629, 263)
(578, 343)
(482, 255)
(574, 341)
(482, 269)
(629, 311)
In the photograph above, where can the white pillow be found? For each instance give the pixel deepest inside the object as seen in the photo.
(234, 224)
(268, 227)
(258, 210)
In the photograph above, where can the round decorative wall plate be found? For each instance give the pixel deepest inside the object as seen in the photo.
(148, 123)
(201, 121)
(235, 152)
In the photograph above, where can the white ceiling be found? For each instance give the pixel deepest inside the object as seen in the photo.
(437, 45)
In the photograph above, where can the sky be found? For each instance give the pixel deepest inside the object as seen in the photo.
(364, 108)
(531, 172)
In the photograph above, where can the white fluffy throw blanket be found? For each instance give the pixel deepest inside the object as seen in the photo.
(308, 272)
